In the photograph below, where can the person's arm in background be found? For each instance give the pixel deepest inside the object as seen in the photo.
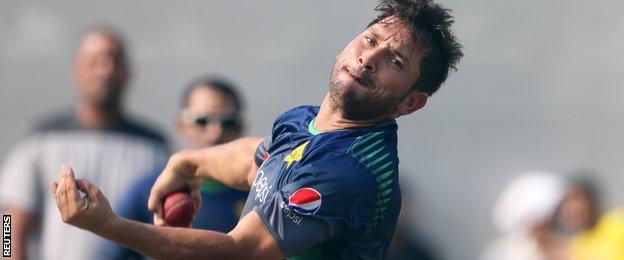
(22, 223)
(20, 193)
(232, 164)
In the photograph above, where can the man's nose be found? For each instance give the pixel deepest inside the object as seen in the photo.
(106, 68)
(214, 130)
(369, 59)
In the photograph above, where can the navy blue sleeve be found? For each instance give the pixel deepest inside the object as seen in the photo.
(328, 195)
(289, 121)
(262, 152)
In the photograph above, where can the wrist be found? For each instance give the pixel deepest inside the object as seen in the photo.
(110, 226)
(186, 164)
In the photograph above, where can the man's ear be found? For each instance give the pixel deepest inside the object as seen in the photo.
(414, 101)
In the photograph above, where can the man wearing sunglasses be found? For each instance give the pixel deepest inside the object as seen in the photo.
(210, 114)
(324, 184)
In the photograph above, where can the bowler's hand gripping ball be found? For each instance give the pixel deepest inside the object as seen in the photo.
(179, 209)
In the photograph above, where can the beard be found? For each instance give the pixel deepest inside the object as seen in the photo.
(359, 107)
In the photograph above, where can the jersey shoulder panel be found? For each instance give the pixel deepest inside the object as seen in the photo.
(377, 152)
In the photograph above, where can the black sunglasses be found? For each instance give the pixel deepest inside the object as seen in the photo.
(228, 122)
(231, 121)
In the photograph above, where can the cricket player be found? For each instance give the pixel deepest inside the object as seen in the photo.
(325, 183)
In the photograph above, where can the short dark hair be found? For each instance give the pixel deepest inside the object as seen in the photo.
(430, 27)
(215, 83)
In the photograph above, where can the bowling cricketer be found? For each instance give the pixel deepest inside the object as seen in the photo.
(325, 182)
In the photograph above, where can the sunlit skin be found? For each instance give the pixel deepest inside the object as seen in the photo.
(374, 74)
(204, 101)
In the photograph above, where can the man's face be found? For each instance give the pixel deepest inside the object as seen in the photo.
(576, 211)
(210, 118)
(100, 70)
(375, 71)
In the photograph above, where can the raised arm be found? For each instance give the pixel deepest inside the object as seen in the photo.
(230, 163)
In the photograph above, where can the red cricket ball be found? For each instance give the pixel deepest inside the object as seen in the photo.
(179, 209)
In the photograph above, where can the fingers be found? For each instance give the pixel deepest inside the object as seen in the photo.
(61, 190)
(154, 203)
(89, 188)
(53, 187)
(67, 176)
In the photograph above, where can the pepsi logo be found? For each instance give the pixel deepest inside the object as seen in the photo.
(305, 201)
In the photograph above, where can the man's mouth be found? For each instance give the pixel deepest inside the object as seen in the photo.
(361, 79)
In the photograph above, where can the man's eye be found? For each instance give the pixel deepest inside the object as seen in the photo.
(396, 62)
(369, 40)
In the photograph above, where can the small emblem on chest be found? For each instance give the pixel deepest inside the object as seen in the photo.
(296, 154)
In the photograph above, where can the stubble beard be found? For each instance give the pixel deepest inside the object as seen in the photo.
(354, 107)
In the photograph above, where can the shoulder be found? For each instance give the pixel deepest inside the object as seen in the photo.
(300, 111)
(294, 120)
(58, 121)
(141, 129)
(298, 114)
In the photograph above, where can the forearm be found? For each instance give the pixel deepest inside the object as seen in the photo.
(171, 243)
(228, 163)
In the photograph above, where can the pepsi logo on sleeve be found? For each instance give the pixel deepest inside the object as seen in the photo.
(305, 201)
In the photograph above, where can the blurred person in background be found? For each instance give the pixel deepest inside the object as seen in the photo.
(523, 216)
(604, 241)
(579, 223)
(211, 114)
(95, 136)
(578, 211)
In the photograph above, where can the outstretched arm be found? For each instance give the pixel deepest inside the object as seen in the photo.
(93, 213)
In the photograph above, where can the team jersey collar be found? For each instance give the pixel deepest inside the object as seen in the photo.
(314, 131)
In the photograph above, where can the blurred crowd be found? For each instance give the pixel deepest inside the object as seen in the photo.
(539, 215)
(542, 215)
(119, 153)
